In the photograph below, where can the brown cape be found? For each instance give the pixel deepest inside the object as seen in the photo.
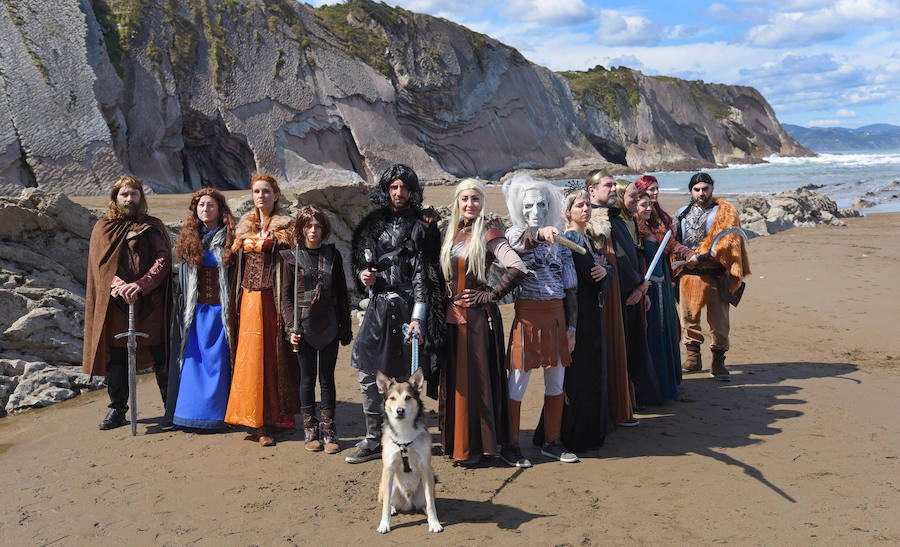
(614, 335)
(620, 404)
(108, 239)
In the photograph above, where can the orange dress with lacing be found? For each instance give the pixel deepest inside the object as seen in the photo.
(253, 401)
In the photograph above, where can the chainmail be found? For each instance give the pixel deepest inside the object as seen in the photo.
(695, 227)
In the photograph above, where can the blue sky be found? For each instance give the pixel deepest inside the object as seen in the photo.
(818, 63)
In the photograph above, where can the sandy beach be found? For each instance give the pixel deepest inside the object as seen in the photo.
(802, 446)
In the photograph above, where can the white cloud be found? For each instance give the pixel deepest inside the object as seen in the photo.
(802, 23)
(557, 12)
(844, 113)
(619, 29)
(683, 31)
(872, 94)
(823, 123)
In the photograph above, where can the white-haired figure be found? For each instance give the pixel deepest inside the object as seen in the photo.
(543, 331)
(474, 401)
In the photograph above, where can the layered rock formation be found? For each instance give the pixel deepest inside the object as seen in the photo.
(187, 93)
(763, 215)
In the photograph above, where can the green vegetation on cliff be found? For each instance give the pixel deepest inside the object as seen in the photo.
(12, 7)
(183, 48)
(284, 13)
(719, 109)
(716, 107)
(352, 23)
(599, 88)
(119, 21)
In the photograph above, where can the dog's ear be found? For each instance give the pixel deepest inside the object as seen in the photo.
(417, 380)
(383, 382)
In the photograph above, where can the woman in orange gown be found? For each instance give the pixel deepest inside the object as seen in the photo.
(265, 384)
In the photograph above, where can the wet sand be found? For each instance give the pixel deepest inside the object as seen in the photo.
(802, 446)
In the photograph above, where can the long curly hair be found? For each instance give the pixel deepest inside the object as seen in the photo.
(189, 247)
(112, 210)
(476, 265)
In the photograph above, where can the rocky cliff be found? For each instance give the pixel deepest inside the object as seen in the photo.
(187, 93)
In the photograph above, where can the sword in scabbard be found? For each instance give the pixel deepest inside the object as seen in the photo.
(296, 328)
(132, 336)
(370, 263)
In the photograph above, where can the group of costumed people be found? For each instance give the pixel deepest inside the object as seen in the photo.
(260, 306)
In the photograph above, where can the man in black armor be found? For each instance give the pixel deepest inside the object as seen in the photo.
(395, 257)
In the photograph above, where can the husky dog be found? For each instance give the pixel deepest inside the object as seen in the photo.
(407, 478)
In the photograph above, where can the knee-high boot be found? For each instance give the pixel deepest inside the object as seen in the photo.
(553, 408)
(515, 411)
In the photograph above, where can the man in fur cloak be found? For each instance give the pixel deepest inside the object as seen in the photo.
(401, 272)
(129, 262)
(602, 189)
(715, 283)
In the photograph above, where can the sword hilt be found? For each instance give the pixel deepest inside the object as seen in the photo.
(124, 334)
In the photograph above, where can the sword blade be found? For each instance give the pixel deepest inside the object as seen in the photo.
(566, 243)
(659, 252)
(725, 232)
(132, 369)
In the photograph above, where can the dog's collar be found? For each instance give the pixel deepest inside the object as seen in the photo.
(404, 453)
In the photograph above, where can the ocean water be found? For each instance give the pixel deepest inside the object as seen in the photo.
(842, 177)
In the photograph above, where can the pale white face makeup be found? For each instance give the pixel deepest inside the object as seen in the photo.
(534, 208)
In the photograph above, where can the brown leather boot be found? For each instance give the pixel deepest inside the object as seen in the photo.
(515, 412)
(328, 431)
(693, 362)
(311, 431)
(718, 370)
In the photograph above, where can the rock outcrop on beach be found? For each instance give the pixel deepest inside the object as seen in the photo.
(43, 267)
(886, 194)
(767, 214)
(187, 93)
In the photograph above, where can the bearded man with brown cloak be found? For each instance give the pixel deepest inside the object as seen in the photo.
(129, 263)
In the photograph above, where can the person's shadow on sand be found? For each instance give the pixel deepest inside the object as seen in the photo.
(714, 415)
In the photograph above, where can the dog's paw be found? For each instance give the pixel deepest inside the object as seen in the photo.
(435, 526)
(384, 527)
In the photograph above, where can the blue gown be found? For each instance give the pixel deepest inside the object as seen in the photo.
(662, 327)
(205, 369)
